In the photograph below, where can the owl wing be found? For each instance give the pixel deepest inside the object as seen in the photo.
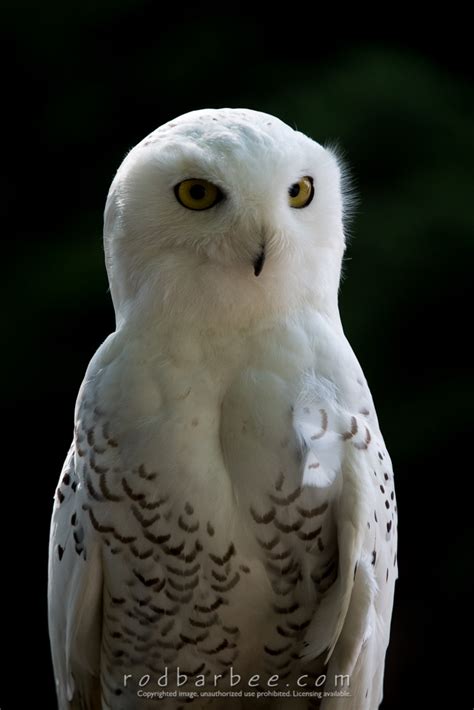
(74, 598)
(346, 452)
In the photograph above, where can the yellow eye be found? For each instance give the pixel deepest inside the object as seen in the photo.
(301, 193)
(197, 194)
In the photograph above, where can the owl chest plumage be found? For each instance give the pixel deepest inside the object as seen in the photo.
(215, 555)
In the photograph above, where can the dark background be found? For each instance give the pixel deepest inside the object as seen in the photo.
(82, 85)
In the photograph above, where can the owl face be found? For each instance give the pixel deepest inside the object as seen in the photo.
(235, 195)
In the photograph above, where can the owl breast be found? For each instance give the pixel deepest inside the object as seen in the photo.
(215, 555)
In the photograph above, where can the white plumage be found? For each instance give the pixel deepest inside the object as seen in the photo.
(227, 503)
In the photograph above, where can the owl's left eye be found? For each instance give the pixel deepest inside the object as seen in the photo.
(301, 193)
(195, 194)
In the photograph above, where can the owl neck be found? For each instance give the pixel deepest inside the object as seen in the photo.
(182, 293)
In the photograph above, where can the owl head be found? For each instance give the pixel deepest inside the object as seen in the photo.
(224, 215)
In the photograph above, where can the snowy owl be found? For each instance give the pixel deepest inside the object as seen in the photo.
(224, 528)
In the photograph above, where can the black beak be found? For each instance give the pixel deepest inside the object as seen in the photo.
(259, 262)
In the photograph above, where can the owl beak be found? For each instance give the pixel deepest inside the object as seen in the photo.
(259, 261)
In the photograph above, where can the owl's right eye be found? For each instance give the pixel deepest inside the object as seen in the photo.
(301, 193)
(196, 194)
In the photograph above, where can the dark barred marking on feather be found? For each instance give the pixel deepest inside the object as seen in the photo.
(185, 572)
(204, 624)
(128, 632)
(270, 544)
(192, 641)
(234, 630)
(147, 582)
(278, 555)
(151, 506)
(157, 539)
(265, 518)
(187, 528)
(117, 601)
(183, 587)
(122, 538)
(312, 512)
(95, 466)
(141, 555)
(282, 527)
(180, 600)
(161, 611)
(299, 627)
(145, 522)
(292, 566)
(129, 491)
(286, 633)
(106, 491)
(191, 556)
(143, 474)
(212, 607)
(167, 627)
(222, 560)
(226, 587)
(311, 535)
(286, 609)
(276, 651)
(354, 429)
(324, 425)
(141, 601)
(174, 645)
(92, 491)
(330, 569)
(287, 499)
(212, 651)
(97, 526)
(362, 446)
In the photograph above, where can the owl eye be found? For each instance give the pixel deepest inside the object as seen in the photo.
(195, 194)
(301, 193)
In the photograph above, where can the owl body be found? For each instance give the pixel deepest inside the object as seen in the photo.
(223, 507)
